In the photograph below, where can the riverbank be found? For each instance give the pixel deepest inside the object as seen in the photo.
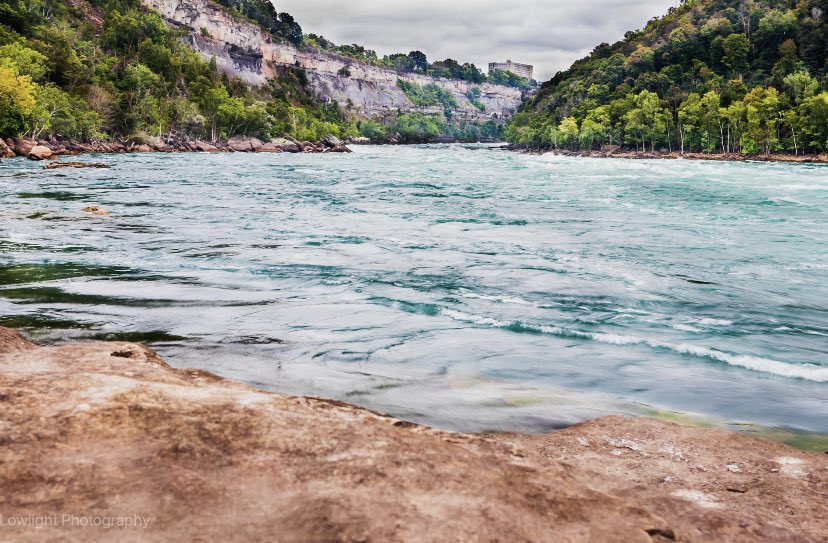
(102, 434)
(44, 149)
(674, 155)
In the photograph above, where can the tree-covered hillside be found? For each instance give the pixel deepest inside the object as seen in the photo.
(736, 76)
(102, 69)
(110, 68)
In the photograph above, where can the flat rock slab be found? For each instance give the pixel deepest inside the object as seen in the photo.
(58, 165)
(110, 431)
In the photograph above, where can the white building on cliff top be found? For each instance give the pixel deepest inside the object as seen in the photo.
(523, 70)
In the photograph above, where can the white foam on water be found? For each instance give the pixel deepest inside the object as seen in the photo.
(808, 372)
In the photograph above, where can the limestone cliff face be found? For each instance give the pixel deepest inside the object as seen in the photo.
(243, 49)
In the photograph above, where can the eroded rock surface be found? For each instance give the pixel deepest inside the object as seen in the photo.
(109, 429)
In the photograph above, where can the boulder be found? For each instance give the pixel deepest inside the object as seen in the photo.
(40, 152)
(331, 141)
(24, 146)
(161, 147)
(205, 147)
(359, 141)
(269, 148)
(244, 144)
(143, 148)
(308, 147)
(60, 165)
(286, 145)
(338, 149)
(96, 210)
(5, 150)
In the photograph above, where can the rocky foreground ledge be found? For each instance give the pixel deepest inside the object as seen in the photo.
(104, 441)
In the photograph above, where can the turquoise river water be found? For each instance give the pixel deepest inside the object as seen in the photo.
(462, 286)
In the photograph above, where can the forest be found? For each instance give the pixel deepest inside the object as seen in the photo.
(110, 68)
(728, 76)
(103, 69)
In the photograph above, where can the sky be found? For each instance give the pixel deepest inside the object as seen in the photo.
(550, 34)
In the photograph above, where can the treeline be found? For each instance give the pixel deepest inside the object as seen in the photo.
(113, 69)
(425, 128)
(417, 62)
(281, 25)
(712, 76)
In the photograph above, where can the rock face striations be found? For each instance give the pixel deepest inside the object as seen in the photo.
(107, 434)
(243, 49)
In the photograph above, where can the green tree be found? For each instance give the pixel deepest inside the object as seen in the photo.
(52, 112)
(800, 86)
(689, 119)
(763, 117)
(814, 113)
(17, 100)
(568, 129)
(27, 61)
(736, 48)
(710, 105)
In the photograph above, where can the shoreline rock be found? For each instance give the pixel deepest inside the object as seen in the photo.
(616, 152)
(54, 147)
(109, 430)
(57, 165)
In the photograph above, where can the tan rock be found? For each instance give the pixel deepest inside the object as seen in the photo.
(338, 149)
(40, 152)
(23, 146)
(59, 165)
(96, 210)
(5, 150)
(110, 430)
(287, 145)
(244, 144)
(269, 148)
(205, 147)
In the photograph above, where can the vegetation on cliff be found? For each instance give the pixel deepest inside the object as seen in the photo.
(99, 69)
(417, 62)
(735, 76)
(111, 68)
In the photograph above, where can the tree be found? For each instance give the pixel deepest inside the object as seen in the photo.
(568, 130)
(763, 117)
(800, 86)
(815, 121)
(735, 115)
(419, 60)
(27, 61)
(595, 127)
(736, 48)
(788, 61)
(689, 119)
(17, 100)
(52, 111)
(710, 105)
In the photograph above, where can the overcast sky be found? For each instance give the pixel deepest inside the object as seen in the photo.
(547, 33)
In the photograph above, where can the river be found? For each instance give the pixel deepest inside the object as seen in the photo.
(461, 286)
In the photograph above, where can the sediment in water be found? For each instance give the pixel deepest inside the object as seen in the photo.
(109, 430)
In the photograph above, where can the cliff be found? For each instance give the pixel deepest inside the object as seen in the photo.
(104, 441)
(243, 49)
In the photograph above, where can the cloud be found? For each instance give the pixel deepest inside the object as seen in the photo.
(550, 34)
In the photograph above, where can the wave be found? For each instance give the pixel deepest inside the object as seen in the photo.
(808, 372)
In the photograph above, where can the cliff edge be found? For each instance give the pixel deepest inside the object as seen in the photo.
(97, 432)
(243, 49)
